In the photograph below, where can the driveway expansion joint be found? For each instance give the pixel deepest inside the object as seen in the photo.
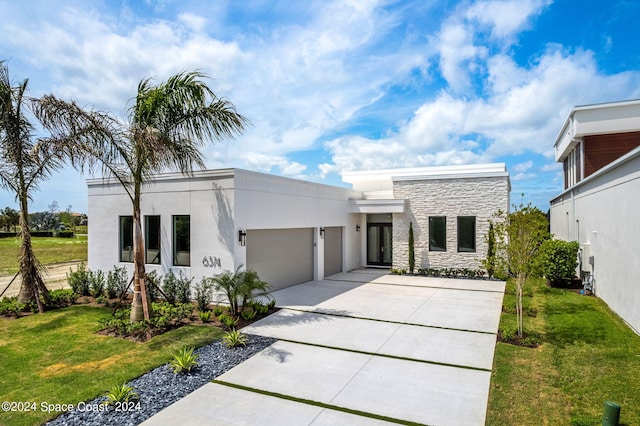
(318, 404)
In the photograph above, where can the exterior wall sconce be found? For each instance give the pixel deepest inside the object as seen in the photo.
(357, 228)
(242, 237)
(322, 232)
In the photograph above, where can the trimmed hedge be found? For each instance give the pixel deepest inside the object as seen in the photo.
(42, 234)
(65, 234)
(559, 260)
(8, 234)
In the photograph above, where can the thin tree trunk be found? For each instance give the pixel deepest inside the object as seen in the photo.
(519, 285)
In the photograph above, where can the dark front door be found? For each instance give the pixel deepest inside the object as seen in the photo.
(379, 237)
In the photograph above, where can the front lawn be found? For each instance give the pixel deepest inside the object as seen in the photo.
(57, 358)
(587, 356)
(47, 250)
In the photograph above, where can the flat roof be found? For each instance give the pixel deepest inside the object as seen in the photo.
(422, 173)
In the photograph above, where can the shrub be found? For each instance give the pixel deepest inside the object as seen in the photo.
(184, 360)
(412, 256)
(153, 283)
(558, 260)
(79, 280)
(489, 262)
(65, 234)
(204, 293)
(121, 393)
(10, 306)
(217, 311)
(205, 316)
(176, 289)
(96, 283)
(117, 281)
(61, 298)
(234, 338)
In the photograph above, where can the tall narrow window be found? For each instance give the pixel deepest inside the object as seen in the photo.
(437, 233)
(152, 239)
(467, 233)
(181, 240)
(126, 238)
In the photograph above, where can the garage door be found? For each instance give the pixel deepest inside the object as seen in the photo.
(281, 257)
(332, 250)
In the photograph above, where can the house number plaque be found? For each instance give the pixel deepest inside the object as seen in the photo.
(211, 262)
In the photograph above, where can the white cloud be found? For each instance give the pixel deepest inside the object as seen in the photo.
(505, 18)
(266, 163)
(522, 167)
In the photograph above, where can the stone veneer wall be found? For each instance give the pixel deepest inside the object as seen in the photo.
(479, 197)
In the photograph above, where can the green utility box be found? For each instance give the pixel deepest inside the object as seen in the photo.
(611, 414)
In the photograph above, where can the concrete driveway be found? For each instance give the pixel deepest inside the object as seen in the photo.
(362, 348)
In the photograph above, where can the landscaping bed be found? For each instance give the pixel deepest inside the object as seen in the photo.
(161, 387)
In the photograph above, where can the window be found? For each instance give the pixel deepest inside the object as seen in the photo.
(126, 238)
(181, 240)
(437, 233)
(467, 233)
(152, 239)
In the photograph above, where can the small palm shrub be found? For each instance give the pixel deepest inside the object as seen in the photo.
(248, 314)
(205, 316)
(228, 321)
(79, 280)
(121, 393)
(217, 311)
(184, 360)
(234, 338)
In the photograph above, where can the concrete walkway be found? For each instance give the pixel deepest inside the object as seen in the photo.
(361, 348)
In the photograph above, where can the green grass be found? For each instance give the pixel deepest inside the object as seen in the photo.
(587, 356)
(47, 250)
(57, 358)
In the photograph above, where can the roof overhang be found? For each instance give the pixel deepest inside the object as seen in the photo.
(598, 119)
(377, 206)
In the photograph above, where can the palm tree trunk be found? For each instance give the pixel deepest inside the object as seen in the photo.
(30, 270)
(140, 304)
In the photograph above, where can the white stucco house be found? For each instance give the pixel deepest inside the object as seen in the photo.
(292, 231)
(599, 146)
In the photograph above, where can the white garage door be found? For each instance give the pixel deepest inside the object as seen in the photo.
(332, 250)
(281, 257)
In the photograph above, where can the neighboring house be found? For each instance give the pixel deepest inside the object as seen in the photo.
(291, 231)
(599, 146)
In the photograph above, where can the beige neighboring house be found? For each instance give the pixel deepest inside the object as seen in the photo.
(292, 231)
(599, 147)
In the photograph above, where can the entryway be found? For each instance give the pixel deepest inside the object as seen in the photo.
(379, 244)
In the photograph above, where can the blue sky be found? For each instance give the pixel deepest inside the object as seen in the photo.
(342, 85)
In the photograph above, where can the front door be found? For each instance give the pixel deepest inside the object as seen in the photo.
(379, 237)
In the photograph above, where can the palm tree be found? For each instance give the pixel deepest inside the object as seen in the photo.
(24, 164)
(167, 125)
